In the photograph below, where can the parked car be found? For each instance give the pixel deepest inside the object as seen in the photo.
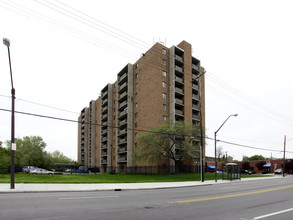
(278, 171)
(246, 172)
(27, 169)
(42, 171)
(80, 171)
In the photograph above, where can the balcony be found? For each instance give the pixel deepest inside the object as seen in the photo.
(194, 86)
(122, 159)
(122, 105)
(104, 94)
(195, 96)
(122, 131)
(122, 87)
(122, 140)
(179, 101)
(195, 67)
(179, 112)
(105, 131)
(121, 114)
(104, 146)
(122, 150)
(104, 153)
(104, 109)
(104, 124)
(104, 101)
(195, 117)
(104, 139)
(178, 90)
(195, 106)
(121, 96)
(104, 117)
(123, 77)
(178, 68)
(103, 161)
(178, 79)
(122, 122)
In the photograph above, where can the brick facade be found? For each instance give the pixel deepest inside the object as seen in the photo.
(156, 88)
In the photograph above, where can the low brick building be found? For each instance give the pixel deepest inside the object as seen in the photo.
(260, 166)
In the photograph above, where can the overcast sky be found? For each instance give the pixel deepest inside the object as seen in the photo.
(64, 52)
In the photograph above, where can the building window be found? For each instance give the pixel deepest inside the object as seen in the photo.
(164, 51)
(136, 115)
(113, 157)
(136, 95)
(164, 73)
(164, 84)
(135, 145)
(164, 62)
(164, 118)
(136, 75)
(114, 117)
(136, 66)
(135, 125)
(114, 109)
(164, 96)
(136, 85)
(136, 105)
(136, 134)
(164, 107)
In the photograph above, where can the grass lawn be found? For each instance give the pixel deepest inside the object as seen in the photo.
(110, 178)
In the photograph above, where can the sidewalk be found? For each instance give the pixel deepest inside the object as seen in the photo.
(27, 187)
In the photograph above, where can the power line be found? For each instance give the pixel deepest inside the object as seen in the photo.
(141, 130)
(146, 44)
(254, 103)
(35, 103)
(90, 123)
(88, 23)
(221, 83)
(20, 9)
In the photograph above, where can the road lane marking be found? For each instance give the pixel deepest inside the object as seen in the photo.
(96, 197)
(233, 195)
(233, 187)
(272, 214)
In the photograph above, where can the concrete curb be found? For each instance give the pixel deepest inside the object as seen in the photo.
(42, 188)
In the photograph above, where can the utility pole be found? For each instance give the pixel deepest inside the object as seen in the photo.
(284, 160)
(6, 42)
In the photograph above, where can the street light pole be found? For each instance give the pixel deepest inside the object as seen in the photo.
(216, 163)
(6, 42)
(284, 160)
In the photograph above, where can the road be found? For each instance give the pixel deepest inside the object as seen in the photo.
(267, 199)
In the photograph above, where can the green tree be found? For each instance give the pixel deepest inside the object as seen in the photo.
(254, 158)
(59, 157)
(176, 142)
(4, 159)
(30, 151)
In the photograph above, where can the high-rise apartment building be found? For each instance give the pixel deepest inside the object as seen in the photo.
(164, 84)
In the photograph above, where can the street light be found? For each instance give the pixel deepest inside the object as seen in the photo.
(216, 164)
(6, 42)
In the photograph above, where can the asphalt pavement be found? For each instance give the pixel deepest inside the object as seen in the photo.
(29, 187)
